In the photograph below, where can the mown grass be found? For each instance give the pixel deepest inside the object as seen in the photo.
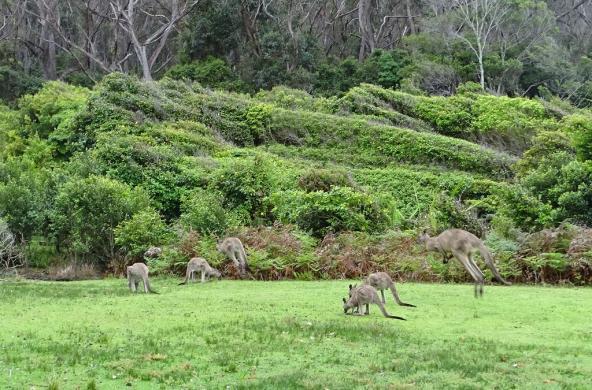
(290, 334)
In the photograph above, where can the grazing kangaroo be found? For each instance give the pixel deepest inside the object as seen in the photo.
(382, 281)
(233, 248)
(364, 295)
(461, 244)
(135, 273)
(198, 264)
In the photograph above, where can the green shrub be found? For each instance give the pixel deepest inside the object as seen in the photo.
(324, 180)
(52, 108)
(204, 212)
(449, 115)
(545, 144)
(349, 140)
(211, 72)
(258, 118)
(138, 160)
(340, 209)
(16, 83)
(87, 211)
(244, 183)
(26, 197)
(143, 230)
(579, 126)
(295, 99)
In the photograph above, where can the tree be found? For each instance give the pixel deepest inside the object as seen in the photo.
(149, 27)
(475, 22)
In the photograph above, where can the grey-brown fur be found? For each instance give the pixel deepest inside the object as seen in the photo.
(138, 272)
(461, 244)
(382, 281)
(199, 264)
(153, 252)
(233, 248)
(364, 295)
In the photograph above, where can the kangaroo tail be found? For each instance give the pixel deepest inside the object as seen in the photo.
(387, 315)
(396, 296)
(489, 261)
(150, 288)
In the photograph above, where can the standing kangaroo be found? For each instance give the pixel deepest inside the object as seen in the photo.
(199, 264)
(461, 244)
(364, 295)
(382, 281)
(233, 248)
(135, 273)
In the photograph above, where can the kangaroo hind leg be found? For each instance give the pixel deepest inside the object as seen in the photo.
(475, 274)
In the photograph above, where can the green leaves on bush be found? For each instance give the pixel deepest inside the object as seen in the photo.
(87, 211)
(204, 212)
(244, 184)
(319, 212)
(143, 230)
(324, 180)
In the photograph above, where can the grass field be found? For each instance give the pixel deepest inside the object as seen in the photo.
(230, 334)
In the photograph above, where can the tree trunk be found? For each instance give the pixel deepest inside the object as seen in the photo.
(47, 43)
(481, 71)
(366, 31)
(143, 59)
(410, 21)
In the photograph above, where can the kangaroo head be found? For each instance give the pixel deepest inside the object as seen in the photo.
(423, 237)
(216, 273)
(346, 306)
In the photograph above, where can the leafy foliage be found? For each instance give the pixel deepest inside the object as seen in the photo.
(87, 211)
(143, 230)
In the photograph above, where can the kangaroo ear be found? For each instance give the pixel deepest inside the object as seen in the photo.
(344, 301)
(350, 286)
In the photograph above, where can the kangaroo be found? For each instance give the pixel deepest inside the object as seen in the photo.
(198, 264)
(153, 252)
(382, 281)
(364, 295)
(461, 244)
(233, 248)
(135, 273)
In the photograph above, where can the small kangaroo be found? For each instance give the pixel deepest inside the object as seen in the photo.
(461, 244)
(364, 295)
(199, 264)
(233, 248)
(382, 281)
(135, 273)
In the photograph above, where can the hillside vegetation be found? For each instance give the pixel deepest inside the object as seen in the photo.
(317, 187)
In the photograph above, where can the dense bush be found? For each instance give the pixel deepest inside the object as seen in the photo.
(319, 212)
(211, 72)
(86, 213)
(325, 180)
(16, 83)
(143, 230)
(357, 140)
(52, 108)
(579, 126)
(244, 184)
(139, 160)
(508, 123)
(295, 99)
(203, 211)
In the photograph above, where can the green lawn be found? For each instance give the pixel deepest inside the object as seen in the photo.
(290, 334)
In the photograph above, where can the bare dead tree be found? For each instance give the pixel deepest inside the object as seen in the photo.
(10, 256)
(148, 26)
